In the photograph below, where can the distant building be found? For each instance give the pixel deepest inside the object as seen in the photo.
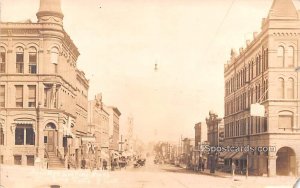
(98, 121)
(200, 133)
(213, 137)
(266, 72)
(43, 95)
(114, 127)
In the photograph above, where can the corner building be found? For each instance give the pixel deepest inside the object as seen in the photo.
(43, 96)
(266, 72)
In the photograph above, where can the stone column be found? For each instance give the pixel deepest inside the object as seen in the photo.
(272, 165)
(40, 134)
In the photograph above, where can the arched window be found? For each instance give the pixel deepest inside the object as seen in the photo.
(54, 57)
(19, 60)
(2, 59)
(281, 88)
(280, 56)
(32, 60)
(290, 56)
(290, 88)
(285, 120)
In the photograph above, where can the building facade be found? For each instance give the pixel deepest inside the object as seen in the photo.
(214, 126)
(98, 121)
(114, 127)
(43, 95)
(265, 72)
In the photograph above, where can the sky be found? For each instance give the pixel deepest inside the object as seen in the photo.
(189, 40)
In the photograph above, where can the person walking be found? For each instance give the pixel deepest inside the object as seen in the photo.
(104, 165)
(233, 167)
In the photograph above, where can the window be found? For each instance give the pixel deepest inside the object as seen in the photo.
(30, 160)
(2, 60)
(19, 96)
(24, 135)
(281, 88)
(2, 96)
(54, 58)
(265, 124)
(1, 136)
(20, 60)
(32, 96)
(285, 121)
(280, 56)
(17, 159)
(290, 56)
(32, 60)
(290, 88)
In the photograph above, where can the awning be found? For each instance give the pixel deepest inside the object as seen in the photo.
(230, 155)
(88, 139)
(126, 154)
(24, 122)
(115, 154)
(223, 154)
(238, 155)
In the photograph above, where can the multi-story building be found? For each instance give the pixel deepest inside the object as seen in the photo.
(214, 126)
(98, 120)
(43, 95)
(266, 72)
(114, 127)
(199, 155)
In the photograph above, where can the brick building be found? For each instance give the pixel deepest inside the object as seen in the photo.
(43, 95)
(265, 72)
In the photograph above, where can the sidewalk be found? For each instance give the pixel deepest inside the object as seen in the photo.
(217, 173)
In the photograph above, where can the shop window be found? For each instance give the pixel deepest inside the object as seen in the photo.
(24, 135)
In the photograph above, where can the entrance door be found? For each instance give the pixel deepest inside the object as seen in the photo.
(50, 144)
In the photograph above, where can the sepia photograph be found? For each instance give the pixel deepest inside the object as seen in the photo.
(149, 93)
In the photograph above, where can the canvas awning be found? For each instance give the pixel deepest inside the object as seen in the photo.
(223, 154)
(238, 155)
(115, 153)
(88, 139)
(230, 155)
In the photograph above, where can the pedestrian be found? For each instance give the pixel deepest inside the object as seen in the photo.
(104, 166)
(233, 168)
(83, 163)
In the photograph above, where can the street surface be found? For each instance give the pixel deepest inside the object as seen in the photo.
(149, 176)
